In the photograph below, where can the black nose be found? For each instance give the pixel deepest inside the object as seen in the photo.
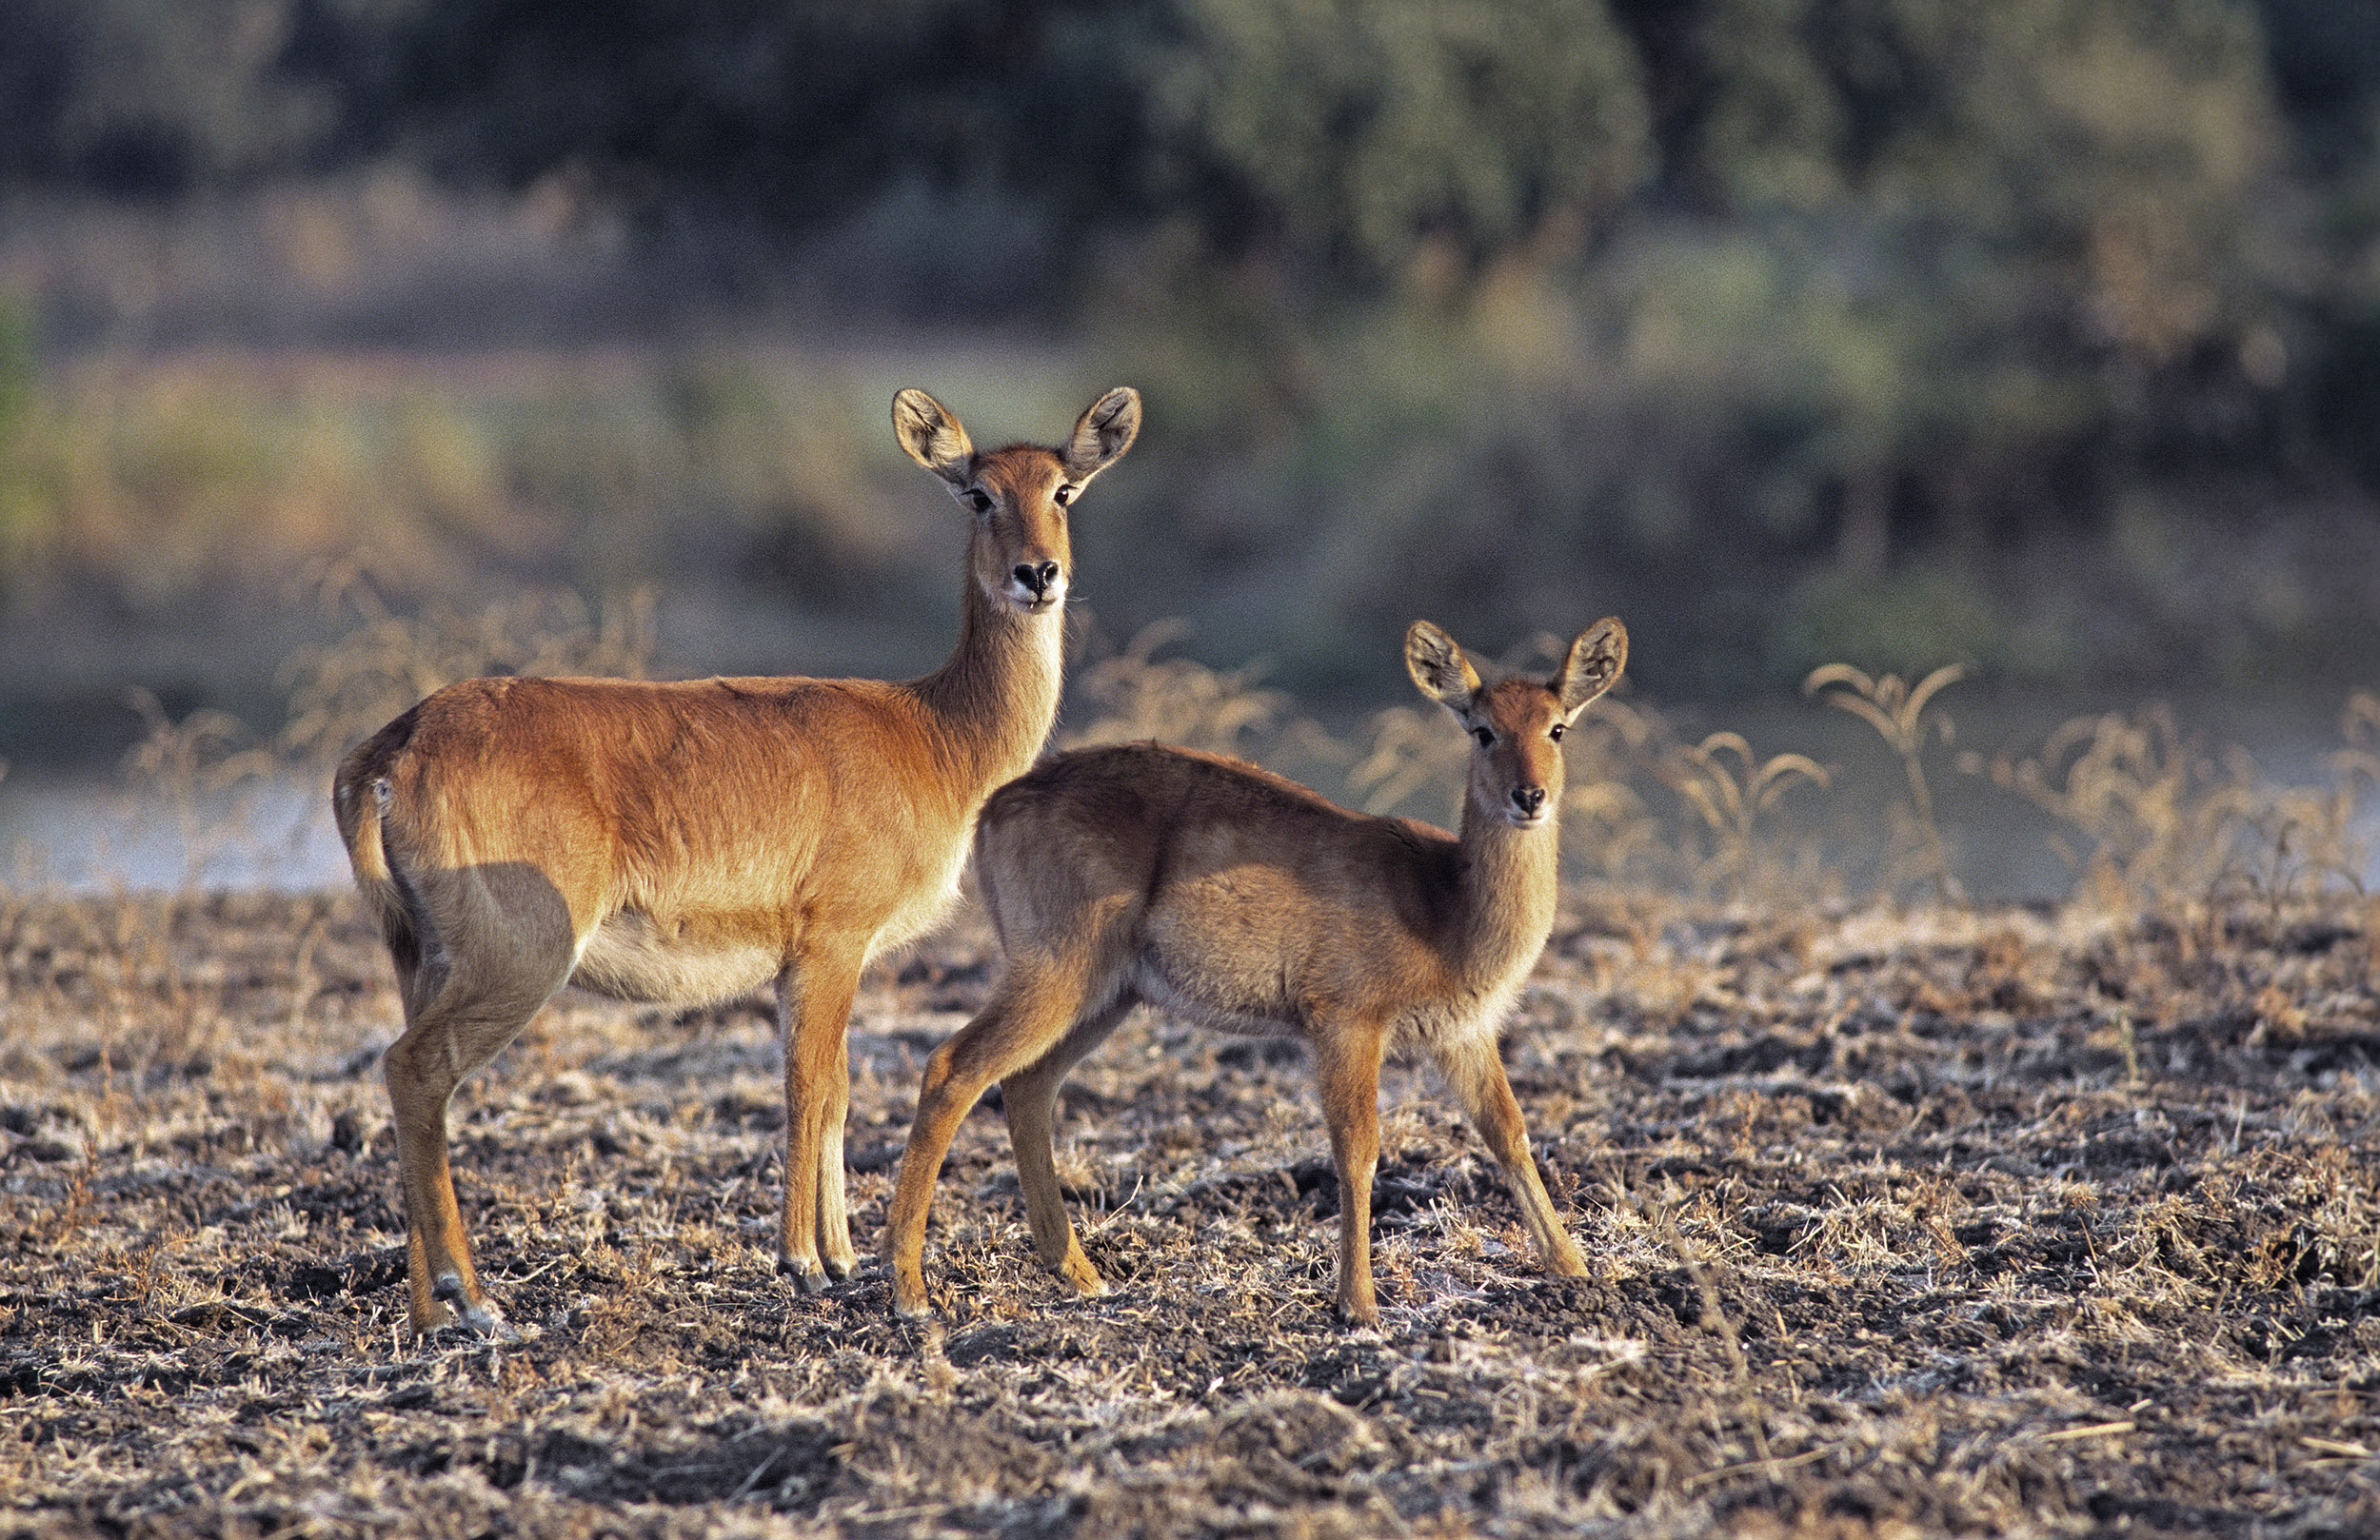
(1037, 576)
(1529, 799)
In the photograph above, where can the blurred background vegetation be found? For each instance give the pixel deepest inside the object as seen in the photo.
(2042, 335)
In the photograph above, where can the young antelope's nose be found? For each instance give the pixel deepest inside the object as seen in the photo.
(1529, 799)
(1037, 576)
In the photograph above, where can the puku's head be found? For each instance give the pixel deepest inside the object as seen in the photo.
(1517, 724)
(1019, 496)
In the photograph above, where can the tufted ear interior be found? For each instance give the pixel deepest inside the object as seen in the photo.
(1439, 668)
(1102, 433)
(931, 434)
(1592, 665)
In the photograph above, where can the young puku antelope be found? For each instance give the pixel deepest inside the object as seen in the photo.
(689, 841)
(1239, 899)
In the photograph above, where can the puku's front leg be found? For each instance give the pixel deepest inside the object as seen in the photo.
(814, 1010)
(1475, 1075)
(1347, 1063)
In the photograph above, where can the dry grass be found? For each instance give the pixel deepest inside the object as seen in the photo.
(1943, 1219)
(1902, 1223)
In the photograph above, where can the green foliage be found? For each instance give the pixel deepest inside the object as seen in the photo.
(148, 97)
(19, 378)
(1362, 129)
(158, 484)
(1834, 327)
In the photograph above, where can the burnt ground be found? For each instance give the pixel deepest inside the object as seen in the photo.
(1902, 1223)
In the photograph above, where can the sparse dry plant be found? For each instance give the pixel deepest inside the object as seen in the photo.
(1729, 798)
(204, 772)
(1139, 695)
(1897, 711)
(2148, 800)
(340, 691)
(2162, 820)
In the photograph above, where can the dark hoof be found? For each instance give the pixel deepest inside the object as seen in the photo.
(481, 1320)
(811, 1281)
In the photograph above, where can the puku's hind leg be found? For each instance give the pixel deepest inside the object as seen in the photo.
(1034, 1006)
(467, 1022)
(1030, 1097)
(1475, 1075)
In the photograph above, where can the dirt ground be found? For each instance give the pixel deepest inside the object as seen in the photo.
(2008, 1221)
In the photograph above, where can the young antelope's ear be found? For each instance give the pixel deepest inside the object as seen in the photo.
(1102, 433)
(931, 434)
(1439, 668)
(1592, 665)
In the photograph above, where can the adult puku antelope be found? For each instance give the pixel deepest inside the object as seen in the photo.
(1239, 899)
(689, 841)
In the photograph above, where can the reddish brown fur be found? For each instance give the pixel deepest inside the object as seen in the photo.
(682, 841)
(1231, 896)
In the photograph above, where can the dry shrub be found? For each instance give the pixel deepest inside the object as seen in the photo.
(1897, 711)
(2163, 823)
(1729, 798)
(340, 692)
(1138, 694)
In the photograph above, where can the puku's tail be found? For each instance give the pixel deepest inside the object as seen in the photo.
(361, 798)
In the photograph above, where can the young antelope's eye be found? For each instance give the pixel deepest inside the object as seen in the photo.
(1557, 731)
(1487, 739)
(981, 499)
(1062, 496)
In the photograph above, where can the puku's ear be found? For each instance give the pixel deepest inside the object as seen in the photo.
(931, 434)
(1591, 666)
(1439, 668)
(1102, 433)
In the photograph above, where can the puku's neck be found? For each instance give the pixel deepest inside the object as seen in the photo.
(1509, 885)
(996, 697)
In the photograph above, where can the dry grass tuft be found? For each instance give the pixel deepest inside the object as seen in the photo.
(1906, 1219)
(1957, 1222)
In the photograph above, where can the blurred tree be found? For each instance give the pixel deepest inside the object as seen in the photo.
(1357, 129)
(1986, 232)
(20, 508)
(2326, 66)
(151, 98)
(1344, 130)
(797, 110)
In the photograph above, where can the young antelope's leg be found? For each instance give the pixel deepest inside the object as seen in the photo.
(1475, 1075)
(1032, 1008)
(1347, 1063)
(1030, 1097)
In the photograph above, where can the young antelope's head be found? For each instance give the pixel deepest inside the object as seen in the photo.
(1517, 724)
(1019, 556)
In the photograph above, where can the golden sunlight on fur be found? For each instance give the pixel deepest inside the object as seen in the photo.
(1235, 899)
(687, 841)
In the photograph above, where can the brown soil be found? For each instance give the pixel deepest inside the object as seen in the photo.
(1946, 1222)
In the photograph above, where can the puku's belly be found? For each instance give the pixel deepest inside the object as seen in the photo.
(1243, 1013)
(631, 958)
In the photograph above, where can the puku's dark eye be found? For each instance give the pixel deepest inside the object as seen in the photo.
(1062, 496)
(981, 499)
(1557, 731)
(1487, 739)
